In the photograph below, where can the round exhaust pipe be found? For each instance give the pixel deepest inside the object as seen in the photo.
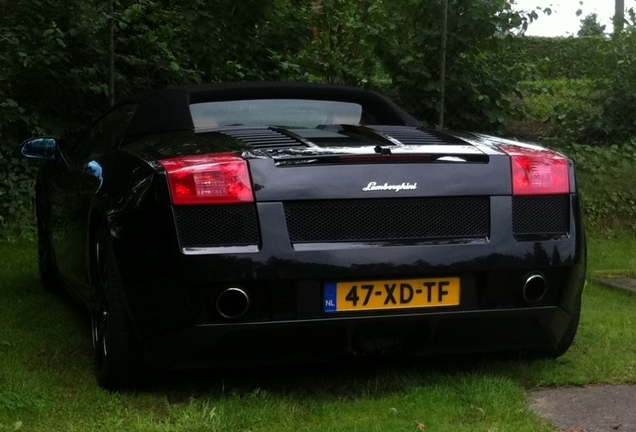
(232, 303)
(534, 288)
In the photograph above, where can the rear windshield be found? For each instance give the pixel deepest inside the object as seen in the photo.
(287, 113)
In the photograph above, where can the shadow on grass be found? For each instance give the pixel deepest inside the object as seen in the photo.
(346, 377)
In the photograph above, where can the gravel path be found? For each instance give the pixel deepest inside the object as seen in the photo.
(588, 409)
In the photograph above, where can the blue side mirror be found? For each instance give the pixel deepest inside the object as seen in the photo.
(39, 148)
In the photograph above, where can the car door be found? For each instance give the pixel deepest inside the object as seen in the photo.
(71, 191)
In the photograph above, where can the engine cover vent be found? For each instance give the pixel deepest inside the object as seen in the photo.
(410, 135)
(262, 138)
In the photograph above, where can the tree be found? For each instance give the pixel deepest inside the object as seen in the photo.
(477, 83)
(55, 57)
(619, 16)
(591, 27)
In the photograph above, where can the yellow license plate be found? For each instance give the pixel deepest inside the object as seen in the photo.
(391, 294)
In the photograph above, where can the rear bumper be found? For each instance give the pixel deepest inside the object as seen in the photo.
(309, 340)
(170, 294)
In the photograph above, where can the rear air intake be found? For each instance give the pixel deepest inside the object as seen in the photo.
(387, 219)
(540, 216)
(217, 225)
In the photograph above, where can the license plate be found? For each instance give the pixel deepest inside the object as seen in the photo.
(391, 294)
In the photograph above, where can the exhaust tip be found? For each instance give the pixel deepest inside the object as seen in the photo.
(232, 303)
(534, 288)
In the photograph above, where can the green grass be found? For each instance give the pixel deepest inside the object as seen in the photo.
(611, 253)
(47, 383)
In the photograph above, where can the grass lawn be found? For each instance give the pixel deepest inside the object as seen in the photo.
(47, 384)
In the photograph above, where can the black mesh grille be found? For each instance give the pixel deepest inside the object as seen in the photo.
(387, 219)
(217, 225)
(540, 215)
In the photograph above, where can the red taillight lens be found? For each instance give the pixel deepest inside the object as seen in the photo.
(538, 171)
(208, 179)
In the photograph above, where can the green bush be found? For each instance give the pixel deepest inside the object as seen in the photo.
(478, 82)
(53, 68)
(601, 110)
(542, 98)
(568, 107)
(54, 59)
(618, 119)
(17, 194)
(607, 184)
(574, 58)
(588, 94)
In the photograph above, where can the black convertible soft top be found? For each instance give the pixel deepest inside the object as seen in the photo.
(168, 109)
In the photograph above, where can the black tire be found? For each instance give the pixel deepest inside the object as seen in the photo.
(49, 276)
(118, 363)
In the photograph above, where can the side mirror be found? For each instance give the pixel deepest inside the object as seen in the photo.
(40, 148)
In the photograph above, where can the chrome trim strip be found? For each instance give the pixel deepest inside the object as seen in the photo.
(386, 243)
(220, 250)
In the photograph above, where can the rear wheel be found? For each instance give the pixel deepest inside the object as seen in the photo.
(117, 358)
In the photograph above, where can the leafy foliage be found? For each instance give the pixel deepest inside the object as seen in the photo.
(604, 114)
(35, 63)
(619, 104)
(591, 27)
(477, 84)
(565, 108)
(556, 58)
(598, 112)
(341, 49)
(54, 59)
(54, 65)
(608, 187)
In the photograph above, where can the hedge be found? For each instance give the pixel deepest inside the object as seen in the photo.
(561, 57)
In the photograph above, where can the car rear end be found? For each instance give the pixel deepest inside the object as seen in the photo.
(310, 244)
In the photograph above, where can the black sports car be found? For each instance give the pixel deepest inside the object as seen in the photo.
(227, 224)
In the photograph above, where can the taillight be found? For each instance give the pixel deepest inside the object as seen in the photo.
(538, 171)
(208, 179)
